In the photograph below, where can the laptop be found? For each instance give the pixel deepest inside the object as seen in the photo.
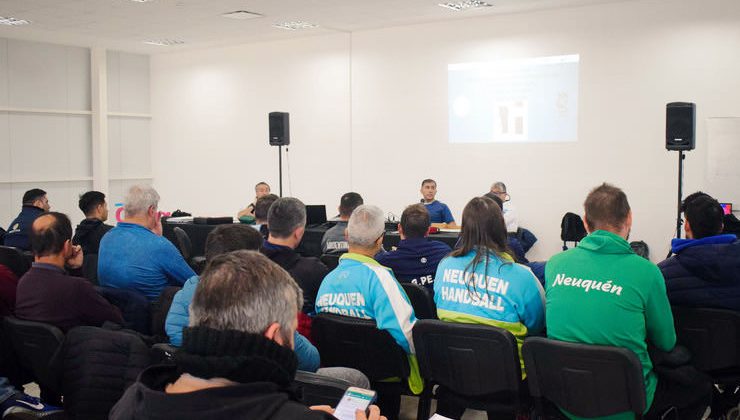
(727, 207)
(315, 215)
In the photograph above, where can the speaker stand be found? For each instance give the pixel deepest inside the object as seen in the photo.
(280, 170)
(681, 157)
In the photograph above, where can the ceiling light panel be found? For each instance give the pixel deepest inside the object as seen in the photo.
(241, 15)
(165, 42)
(465, 5)
(11, 21)
(295, 25)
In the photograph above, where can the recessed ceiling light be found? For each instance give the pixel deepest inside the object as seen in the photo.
(11, 21)
(241, 15)
(141, 1)
(464, 5)
(295, 25)
(164, 42)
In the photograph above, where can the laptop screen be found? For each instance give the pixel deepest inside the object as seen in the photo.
(727, 207)
(315, 215)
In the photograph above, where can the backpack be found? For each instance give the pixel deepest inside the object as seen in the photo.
(571, 229)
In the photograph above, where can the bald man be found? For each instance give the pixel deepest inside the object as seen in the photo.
(47, 292)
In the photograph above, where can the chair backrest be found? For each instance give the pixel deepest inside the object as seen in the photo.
(712, 336)
(319, 389)
(135, 307)
(585, 380)
(422, 300)
(160, 309)
(37, 346)
(98, 366)
(15, 260)
(90, 268)
(183, 243)
(358, 343)
(470, 359)
(331, 261)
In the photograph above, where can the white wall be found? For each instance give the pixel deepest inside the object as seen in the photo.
(369, 113)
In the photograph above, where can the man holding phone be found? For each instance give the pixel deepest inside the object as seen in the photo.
(236, 359)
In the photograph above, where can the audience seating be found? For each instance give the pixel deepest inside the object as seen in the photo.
(358, 343)
(186, 249)
(98, 366)
(477, 366)
(331, 261)
(713, 338)
(134, 306)
(160, 308)
(37, 347)
(585, 380)
(422, 300)
(320, 390)
(15, 260)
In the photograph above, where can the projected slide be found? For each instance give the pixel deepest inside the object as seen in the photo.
(522, 101)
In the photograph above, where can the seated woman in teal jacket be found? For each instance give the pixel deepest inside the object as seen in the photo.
(479, 283)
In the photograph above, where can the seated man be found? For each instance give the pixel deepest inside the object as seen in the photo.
(362, 288)
(260, 190)
(34, 203)
(334, 241)
(438, 211)
(416, 258)
(47, 293)
(261, 209)
(287, 223)
(603, 293)
(236, 360)
(499, 189)
(705, 270)
(132, 256)
(91, 230)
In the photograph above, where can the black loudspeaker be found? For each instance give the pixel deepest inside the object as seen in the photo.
(680, 126)
(279, 129)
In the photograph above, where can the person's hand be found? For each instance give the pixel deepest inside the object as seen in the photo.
(75, 261)
(157, 229)
(373, 414)
(324, 408)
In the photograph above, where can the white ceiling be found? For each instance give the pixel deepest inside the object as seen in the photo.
(125, 24)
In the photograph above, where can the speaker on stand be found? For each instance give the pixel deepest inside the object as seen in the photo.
(680, 135)
(279, 123)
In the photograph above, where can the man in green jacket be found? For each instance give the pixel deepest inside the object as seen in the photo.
(602, 293)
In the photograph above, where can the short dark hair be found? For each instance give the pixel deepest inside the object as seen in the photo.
(262, 183)
(606, 206)
(262, 206)
(428, 181)
(704, 214)
(227, 238)
(415, 221)
(90, 200)
(495, 198)
(32, 195)
(285, 216)
(349, 202)
(50, 239)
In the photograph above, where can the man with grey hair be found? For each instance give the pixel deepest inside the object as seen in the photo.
(499, 190)
(286, 221)
(236, 360)
(360, 287)
(134, 255)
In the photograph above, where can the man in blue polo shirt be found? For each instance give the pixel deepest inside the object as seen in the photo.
(416, 258)
(438, 211)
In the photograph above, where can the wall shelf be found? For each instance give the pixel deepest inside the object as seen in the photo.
(44, 111)
(129, 115)
(130, 178)
(42, 181)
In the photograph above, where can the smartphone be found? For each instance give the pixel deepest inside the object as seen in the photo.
(354, 399)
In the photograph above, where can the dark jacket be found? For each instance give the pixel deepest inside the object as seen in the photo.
(19, 228)
(308, 272)
(48, 294)
(704, 272)
(8, 286)
(415, 260)
(262, 369)
(89, 233)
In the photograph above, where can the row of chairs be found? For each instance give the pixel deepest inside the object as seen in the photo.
(478, 366)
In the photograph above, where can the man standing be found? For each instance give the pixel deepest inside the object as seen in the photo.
(602, 293)
(134, 255)
(34, 203)
(260, 190)
(438, 211)
(416, 258)
(334, 241)
(705, 270)
(287, 223)
(47, 293)
(91, 230)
